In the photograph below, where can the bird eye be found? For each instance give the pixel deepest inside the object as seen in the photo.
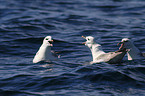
(88, 39)
(46, 39)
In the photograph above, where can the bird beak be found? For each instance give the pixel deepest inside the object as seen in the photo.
(119, 43)
(122, 44)
(84, 37)
(84, 43)
(51, 41)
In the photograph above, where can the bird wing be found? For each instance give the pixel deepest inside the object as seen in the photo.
(115, 57)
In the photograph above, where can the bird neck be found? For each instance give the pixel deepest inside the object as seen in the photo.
(96, 50)
(46, 46)
(133, 53)
(45, 49)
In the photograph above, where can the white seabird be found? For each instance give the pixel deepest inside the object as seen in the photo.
(44, 53)
(99, 55)
(133, 52)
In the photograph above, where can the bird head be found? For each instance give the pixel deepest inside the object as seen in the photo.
(48, 41)
(89, 40)
(125, 43)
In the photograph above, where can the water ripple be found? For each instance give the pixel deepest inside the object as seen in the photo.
(24, 24)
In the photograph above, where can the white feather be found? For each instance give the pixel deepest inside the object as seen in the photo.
(44, 53)
(99, 55)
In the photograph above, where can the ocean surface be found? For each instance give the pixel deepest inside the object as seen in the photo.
(24, 24)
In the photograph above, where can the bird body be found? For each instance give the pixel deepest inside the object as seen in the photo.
(44, 53)
(99, 55)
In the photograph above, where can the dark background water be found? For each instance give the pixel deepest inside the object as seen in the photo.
(24, 24)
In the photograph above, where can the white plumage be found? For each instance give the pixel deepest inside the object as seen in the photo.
(44, 53)
(99, 55)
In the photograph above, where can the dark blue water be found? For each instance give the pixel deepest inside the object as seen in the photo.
(24, 24)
